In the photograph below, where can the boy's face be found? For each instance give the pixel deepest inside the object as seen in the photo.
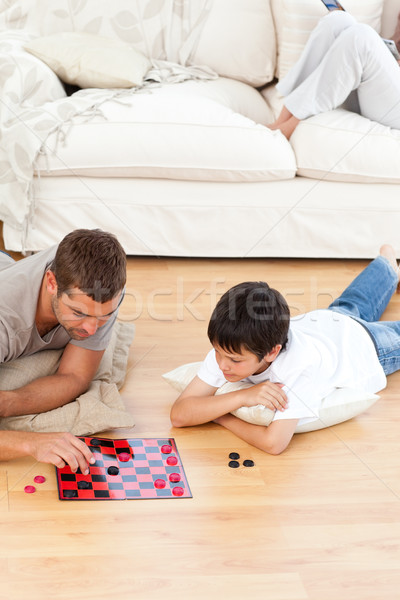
(239, 366)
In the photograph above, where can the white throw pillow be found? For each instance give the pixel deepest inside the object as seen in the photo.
(341, 405)
(299, 19)
(343, 146)
(91, 61)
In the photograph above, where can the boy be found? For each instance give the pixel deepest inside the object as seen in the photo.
(295, 363)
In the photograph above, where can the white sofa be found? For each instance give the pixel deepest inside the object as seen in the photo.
(187, 166)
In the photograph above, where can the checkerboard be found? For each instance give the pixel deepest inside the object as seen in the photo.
(127, 469)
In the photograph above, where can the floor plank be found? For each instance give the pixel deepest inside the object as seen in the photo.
(319, 522)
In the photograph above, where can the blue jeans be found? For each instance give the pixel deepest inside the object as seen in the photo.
(365, 300)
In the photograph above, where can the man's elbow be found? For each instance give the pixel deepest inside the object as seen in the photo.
(80, 386)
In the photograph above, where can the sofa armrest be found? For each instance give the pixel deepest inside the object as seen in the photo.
(24, 79)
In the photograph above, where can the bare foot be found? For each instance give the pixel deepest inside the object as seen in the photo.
(388, 252)
(286, 127)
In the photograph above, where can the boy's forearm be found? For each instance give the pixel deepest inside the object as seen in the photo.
(196, 410)
(273, 439)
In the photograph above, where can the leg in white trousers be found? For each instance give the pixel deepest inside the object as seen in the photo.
(340, 56)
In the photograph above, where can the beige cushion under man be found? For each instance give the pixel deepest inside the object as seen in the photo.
(99, 409)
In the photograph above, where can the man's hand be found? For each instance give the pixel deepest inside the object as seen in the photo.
(267, 393)
(60, 449)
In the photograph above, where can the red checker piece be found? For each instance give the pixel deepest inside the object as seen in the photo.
(174, 477)
(160, 484)
(178, 491)
(39, 479)
(124, 456)
(29, 489)
(166, 449)
(172, 461)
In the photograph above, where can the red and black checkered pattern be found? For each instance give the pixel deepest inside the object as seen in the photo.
(141, 475)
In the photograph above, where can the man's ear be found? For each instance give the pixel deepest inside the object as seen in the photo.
(273, 354)
(51, 283)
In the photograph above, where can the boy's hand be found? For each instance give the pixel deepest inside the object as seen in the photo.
(267, 393)
(60, 449)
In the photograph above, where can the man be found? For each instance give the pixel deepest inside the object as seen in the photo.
(64, 297)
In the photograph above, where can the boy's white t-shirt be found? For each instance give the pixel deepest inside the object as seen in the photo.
(325, 350)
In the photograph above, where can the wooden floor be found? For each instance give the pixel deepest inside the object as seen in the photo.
(319, 522)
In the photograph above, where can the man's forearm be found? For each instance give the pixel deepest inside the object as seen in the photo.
(41, 395)
(13, 444)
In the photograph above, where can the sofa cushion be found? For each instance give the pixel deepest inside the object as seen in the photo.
(233, 37)
(297, 19)
(344, 146)
(238, 41)
(88, 60)
(389, 17)
(192, 130)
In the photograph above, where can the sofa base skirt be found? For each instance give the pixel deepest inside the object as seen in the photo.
(300, 217)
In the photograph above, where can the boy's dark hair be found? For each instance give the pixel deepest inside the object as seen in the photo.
(250, 316)
(91, 260)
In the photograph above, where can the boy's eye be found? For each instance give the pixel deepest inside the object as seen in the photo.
(235, 360)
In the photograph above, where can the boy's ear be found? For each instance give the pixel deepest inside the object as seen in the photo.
(273, 354)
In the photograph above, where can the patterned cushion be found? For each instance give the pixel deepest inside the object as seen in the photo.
(233, 37)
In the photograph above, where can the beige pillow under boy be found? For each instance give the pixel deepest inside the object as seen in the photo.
(99, 409)
(91, 61)
(341, 405)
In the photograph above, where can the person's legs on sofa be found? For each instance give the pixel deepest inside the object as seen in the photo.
(328, 29)
(319, 42)
(354, 59)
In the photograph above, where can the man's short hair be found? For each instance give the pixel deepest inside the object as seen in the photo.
(91, 260)
(250, 316)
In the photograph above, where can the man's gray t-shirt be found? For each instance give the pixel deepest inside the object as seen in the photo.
(20, 284)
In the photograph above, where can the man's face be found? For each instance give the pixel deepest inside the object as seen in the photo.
(80, 315)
